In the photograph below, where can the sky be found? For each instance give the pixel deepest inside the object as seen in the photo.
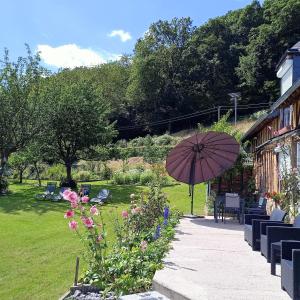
(70, 33)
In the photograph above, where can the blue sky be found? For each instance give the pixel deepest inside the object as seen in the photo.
(86, 32)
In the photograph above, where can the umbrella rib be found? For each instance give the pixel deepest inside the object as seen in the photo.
(180, 161)
(218, 140)
(179, 154)
(224, 167)
(218, 149)
(221, 155)
(213, 132)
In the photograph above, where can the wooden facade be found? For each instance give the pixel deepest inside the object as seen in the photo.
(278, 129)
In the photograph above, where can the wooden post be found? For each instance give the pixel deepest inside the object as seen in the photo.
(76, 271)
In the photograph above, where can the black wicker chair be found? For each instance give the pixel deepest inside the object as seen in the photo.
(258, 208)
(275, 233)
(290, 268)
(252, 226)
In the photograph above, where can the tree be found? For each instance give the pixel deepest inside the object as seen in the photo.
(21, 115)
(280, 30)
(19, 162)
(77, 119)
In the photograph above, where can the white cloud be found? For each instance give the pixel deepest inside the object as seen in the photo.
(71, 56)
(123, 35)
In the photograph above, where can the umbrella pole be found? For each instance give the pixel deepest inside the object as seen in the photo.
(192, 200)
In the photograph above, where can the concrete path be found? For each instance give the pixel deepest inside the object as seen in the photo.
(212, 261)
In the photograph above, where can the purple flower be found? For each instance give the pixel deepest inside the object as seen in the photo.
(157, 232)
(166, 213)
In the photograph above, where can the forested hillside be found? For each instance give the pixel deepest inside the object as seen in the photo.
(179, 69)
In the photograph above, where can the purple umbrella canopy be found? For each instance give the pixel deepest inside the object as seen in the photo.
(202, 157)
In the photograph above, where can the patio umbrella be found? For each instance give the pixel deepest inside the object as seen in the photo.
(202, 157)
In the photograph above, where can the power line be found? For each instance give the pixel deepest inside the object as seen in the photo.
(196, 114)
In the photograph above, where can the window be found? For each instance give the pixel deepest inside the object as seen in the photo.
(286, 116)
(287, 80)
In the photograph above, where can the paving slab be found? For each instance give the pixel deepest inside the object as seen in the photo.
(212, 261)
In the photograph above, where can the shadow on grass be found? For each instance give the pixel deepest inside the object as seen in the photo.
(22, 198)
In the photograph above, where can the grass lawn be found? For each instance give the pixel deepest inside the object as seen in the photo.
(38, 250)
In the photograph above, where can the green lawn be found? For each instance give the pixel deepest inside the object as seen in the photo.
(38, 250)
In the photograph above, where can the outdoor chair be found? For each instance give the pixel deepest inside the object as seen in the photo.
(275, 233)
(50, 189)
(290, 268)
(102, 197)
(218, 207)
(252, 226)
(59, 196)
(85, 190)
(232, 205)
(258, 208)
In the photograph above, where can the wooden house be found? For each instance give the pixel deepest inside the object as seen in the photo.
(275, 137)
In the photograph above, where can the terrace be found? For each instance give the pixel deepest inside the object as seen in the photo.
(212, 261)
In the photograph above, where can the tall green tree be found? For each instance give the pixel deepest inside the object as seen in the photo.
(77, 119)
(21, 116)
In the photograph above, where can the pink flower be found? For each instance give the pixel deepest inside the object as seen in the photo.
(99, 238)
(124, 214)
(73, 197)
(88, 222)
(66, 194)
(74, 204)
(85, 199)
(73, 225)
(143, 245)
(94, 210)
(69, 214)
(136, 210)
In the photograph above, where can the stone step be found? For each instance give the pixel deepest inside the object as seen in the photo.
(153, 295)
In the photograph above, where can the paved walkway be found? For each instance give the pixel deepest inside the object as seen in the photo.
(212, 261)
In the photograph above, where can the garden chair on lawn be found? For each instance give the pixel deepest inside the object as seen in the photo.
(290, 268)
(50, 189)
(59, 196)
(252, 226)
(275, 232)
(85, 190)
(102, 197)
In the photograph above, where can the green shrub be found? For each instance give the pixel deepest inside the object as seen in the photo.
(55, 172)
(83, 176)
(147, 177)
(106, 172)
(119, 178)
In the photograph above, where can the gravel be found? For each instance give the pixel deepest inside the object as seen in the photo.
(79, 295)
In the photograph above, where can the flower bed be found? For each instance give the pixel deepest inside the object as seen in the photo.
(143, 235)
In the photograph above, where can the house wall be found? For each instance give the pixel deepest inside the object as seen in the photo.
(265, 168)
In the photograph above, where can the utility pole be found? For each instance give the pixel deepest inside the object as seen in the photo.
(235, 97)
(219, 112)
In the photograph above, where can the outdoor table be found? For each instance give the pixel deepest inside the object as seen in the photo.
(275, 253)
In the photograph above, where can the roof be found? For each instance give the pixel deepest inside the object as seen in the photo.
(262, 121)
(293, 50)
